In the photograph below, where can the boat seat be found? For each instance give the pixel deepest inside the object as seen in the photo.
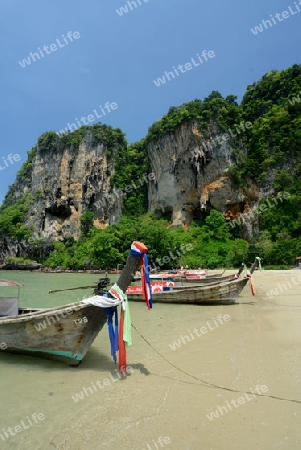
(9, 306)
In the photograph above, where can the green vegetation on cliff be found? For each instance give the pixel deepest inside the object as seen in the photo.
(273, 143)
(130, 166)
(12, 219)
(213, 110)
(210, 245)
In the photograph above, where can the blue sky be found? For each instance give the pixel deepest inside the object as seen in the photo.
(117, 57)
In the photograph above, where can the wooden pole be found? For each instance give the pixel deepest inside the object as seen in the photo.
(72, 289)
(254, 265)
(126, 276)
(241, 269)
(128, 273)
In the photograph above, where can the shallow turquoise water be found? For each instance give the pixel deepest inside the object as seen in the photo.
(35, 292)
(167, 394)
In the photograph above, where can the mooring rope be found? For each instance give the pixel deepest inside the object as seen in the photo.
(207, 383)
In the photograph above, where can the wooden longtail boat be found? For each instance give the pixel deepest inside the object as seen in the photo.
(215, 278)
(225, 292)
(63, 333)
(216, 275)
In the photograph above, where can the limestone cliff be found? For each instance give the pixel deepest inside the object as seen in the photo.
(192, 176)
(191, 168)
(67, 178)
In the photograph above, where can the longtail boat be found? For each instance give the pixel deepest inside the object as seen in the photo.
(63, 333)
(215, 278)
(216, 275)
(215, 292)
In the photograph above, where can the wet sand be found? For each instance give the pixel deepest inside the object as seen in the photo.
(171, 393)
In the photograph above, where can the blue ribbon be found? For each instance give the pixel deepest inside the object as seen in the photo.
(113, 333)
(146, 272)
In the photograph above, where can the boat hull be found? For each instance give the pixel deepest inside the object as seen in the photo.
(210, 280)
(62, 333)
(217, 293)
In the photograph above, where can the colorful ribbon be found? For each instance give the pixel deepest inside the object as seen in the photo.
(145, 280)
(113, 331)
(259, 263)
(125, 326)
(122, 337)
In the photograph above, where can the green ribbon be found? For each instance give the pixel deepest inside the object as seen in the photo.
(127, 325)
(259, 263)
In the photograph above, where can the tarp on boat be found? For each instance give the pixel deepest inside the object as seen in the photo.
(6, 283)
(101, 302)
(9, 306)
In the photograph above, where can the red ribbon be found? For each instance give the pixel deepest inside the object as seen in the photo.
(121, 345)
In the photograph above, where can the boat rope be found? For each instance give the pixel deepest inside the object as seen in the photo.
(207, 383)
(284, 306)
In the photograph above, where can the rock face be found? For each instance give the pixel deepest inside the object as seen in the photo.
(66, 182)
(191, 178)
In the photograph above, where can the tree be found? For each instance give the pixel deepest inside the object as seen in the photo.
(217, 225)
(86, 222)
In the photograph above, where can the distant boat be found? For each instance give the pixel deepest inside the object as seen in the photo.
(156, 286)
(63, 333)
(215, 277)
(215, 292)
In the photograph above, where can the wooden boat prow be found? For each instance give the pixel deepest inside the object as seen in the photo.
(63, 333)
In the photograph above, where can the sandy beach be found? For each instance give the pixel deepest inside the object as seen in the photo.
(235, 386)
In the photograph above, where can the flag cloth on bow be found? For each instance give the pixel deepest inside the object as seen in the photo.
(259, 263)
(137, 250)
(125, 326)
(113, 331)
(122, 350)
